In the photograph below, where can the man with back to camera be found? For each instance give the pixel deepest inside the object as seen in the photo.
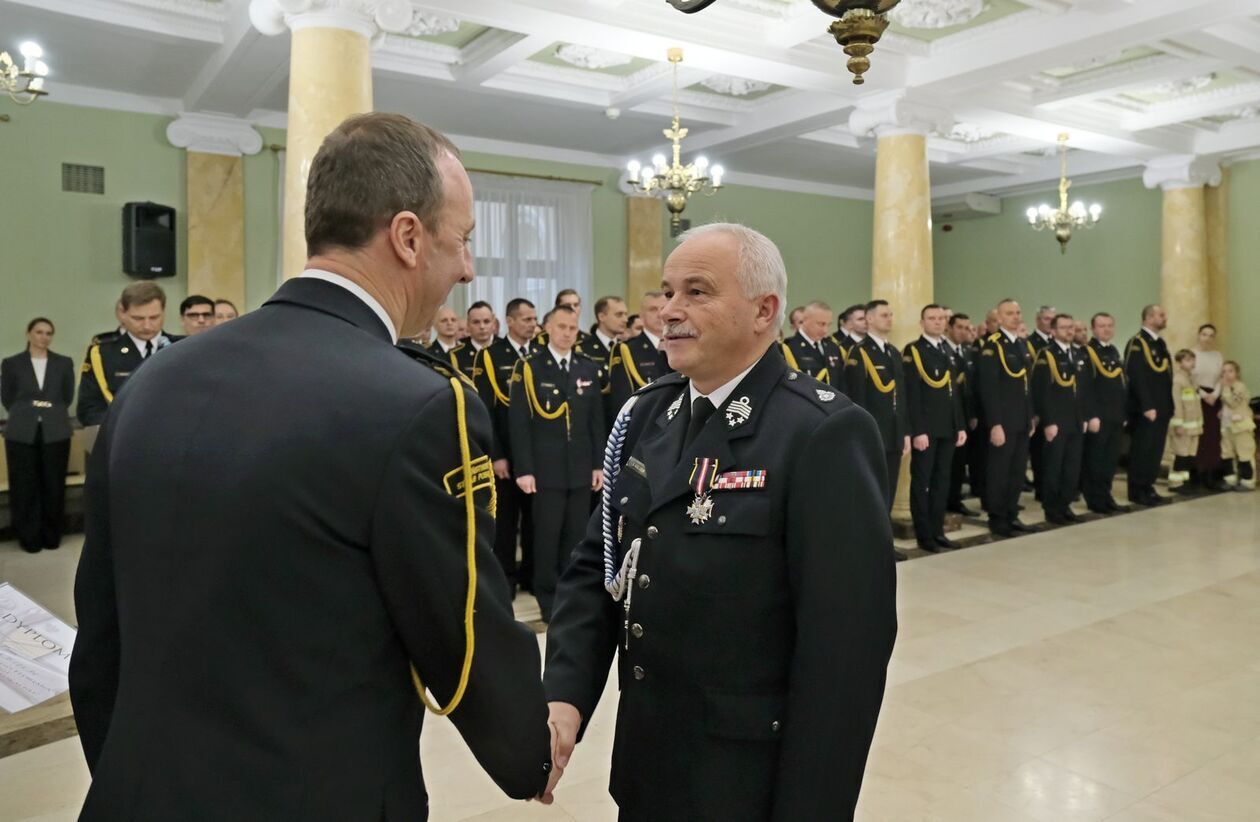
(753, 608)
(253, 647)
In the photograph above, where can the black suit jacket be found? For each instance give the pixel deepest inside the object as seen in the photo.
(887, 407)
(31, 407)
(1109, 390)
(1149, 369)
(753, 667)
(1002, 376)
(632, 365)
(276, 534)
(561, 452)
(934, 409)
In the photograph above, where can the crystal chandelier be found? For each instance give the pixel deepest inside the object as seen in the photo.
(1065, 218)
(675, 183)
(860, 25)
(25, 85)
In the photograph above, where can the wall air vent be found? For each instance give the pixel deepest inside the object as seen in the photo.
(82, 179)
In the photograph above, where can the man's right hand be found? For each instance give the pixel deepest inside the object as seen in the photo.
(921, 442)
(502, 470)
(997, 436)
(1151, 414)
(565, 721)
(527, 484)
(1051, 432)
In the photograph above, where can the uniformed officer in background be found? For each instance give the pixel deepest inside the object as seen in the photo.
(639, 360)
(610, 324)
(1108, 399)
(446, 338)
(1041, 336)
(812, 351)
(570, 298)
(1003, 375)
(496, 364)
(968, 460)
(1149, 369)
(1059, 404)
(557, 419)
(113, 360)
(479, 320)
(937, 427)
(753, 609)
(852, 328)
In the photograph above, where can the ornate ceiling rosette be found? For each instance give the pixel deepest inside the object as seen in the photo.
(1182, 87)
(587, 57)
(733, 86)
(935, 14)
(428, 25)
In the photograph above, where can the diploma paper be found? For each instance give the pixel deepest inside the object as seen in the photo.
(35, 651)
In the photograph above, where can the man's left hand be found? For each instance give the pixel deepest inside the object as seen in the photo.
(597, 480)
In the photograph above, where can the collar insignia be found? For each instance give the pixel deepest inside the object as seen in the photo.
(672, 411)
(738, 412)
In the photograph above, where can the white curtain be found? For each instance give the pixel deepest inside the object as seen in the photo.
(533, 239)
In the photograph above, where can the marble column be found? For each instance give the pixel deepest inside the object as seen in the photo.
(1217, 218)
(1184, 284)
(330, 79)
(215, 210)
(901, 269)
(645, 248)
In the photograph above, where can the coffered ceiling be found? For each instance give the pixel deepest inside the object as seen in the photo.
(764, 88)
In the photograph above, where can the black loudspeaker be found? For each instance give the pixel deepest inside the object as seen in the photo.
(148, 240)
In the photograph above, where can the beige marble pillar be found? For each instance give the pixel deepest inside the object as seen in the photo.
(215, 211)
(645, 247)
(1184, 284)
(330, 79)
(901, 265)
(1217, 218)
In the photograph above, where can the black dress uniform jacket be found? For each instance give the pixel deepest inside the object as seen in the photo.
(1109, 392)
(826, 366)
(564, 451)
(933, 409)
(1150, 377)
(632, 365)
(491, 372)
(1002, 377)
(275, 535)
(118, 360)
(33, 408)
(752, 660)
(1055, 403)
(887, 407)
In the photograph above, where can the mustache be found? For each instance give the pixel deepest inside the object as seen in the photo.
(679, 330)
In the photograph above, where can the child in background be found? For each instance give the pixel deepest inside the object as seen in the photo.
(1238, 429)
(1186, 425)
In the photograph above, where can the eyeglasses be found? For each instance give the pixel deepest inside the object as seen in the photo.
(200, 315)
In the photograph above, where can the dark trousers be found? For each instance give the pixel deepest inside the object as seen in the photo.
(957, 474)
(560, 517)
(37, 490)
(977, 461)
(512, 504)
(893, 460)
(1036, 453)
(929, 487)
(1146, 448)
(1102, 455)
(1005, 469)
(1061, 470)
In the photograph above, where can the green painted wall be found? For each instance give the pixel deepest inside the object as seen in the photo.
(1244, 270)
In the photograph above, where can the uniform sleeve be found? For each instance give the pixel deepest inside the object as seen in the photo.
(901, 410)
(485, 390)
(843, 586)
(67, 383)
(519, 411)
(914, 393)
(94, 665)
(620, 386)
(1085, 386)
(1039, 389)
(92, 403)
(419, 548)
(1139, 378)
(598, 429)
(988, 390)
(8, 384)
(855, 377)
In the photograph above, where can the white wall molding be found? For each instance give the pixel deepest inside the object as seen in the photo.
(214, 134)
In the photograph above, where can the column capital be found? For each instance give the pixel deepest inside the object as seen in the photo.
(371, 18)
(1181, 171)
(892, 113)
(214, 134)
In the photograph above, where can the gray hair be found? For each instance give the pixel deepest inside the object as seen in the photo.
(760, 270)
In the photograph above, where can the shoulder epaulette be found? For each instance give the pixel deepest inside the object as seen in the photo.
(818, 393)
(422, 355)
(672, 378)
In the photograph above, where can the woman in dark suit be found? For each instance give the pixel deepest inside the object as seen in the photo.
(37, 388)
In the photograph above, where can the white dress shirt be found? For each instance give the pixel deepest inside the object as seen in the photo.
(566, 358)
(358, 291)
(652, 338)
(881, 343)
(40, 364)
(608, 342)
(719, 395)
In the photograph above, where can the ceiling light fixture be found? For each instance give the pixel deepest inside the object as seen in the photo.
(1063, 220)
(25, 85)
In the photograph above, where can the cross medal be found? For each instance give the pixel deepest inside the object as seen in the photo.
(703, 475)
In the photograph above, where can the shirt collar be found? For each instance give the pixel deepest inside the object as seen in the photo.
(516, 346)
(813, 342)
(1065, 346)
(557, 355)
(1154, 334)
(936, 341)
(446, 349)
(358, 291)
(878, 341)
(719, 395)
(608, 342)
(652, 338)
(139, 343)
(857, 338)
(1010, 335)
(1043, 335)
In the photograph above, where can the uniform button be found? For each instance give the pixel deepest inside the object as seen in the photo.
(639, 673)
(652, 532)
(722, 520)
(774, 726)
(644, 580)
(625, 500)
(636, 630)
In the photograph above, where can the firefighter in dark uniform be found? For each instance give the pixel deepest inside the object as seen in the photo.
(1059, 403)
(492, 375)
(610, 325)
(1003, 375)
(752, 607)
(811, 351)
(111, 360)
(852, 328)
(1041, 336)
(937, 427)
(1149, 369)
(958, 343)
(446, 324)
(557, 423)
(480, 321)
(639, 360)
(567, 297)
(1108, 400)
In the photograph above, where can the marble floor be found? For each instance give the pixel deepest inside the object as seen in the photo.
(1106, 671)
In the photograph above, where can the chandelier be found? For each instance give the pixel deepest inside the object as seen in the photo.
(675, 183)
(860, 25)
(1065, 218)
(25, 85)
